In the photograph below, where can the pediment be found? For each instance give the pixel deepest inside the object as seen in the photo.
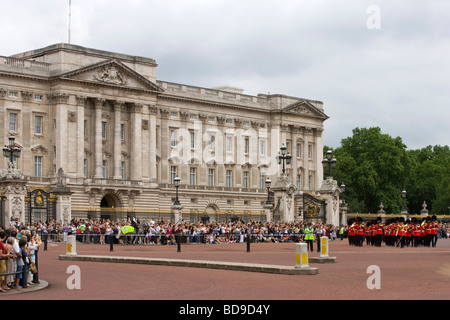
(304, 108)
(111, 73)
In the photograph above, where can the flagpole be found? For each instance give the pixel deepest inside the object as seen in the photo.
(70, 19)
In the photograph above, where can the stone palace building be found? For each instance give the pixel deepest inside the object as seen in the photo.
(101, 127)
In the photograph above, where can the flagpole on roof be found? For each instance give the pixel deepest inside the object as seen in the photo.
(70, 20)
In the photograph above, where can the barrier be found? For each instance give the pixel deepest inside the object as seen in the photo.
(301, 255)
(71, 245)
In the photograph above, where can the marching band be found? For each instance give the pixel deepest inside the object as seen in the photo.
(395, 232)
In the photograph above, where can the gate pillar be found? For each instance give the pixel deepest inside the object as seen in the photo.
(330, 192)
(14, 192)
(63, 199)
(284, 192)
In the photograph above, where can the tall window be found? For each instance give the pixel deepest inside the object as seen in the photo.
(262, 147)
(104, 127)
(310, 151)
(85, 128)
(13, 122)
(229, 178)
(211, 177)
(173, 174)
(38, 124)
(298, 150)
(245, 181)
(211, 142)
(38, 166)
(104, 167)
(229, 144)
(192, 134)
(85, 167)
(122, 170)
(173, 138)
(193, 176)
(122, 132)
(246, 145)
(299, 182)
(262, 180)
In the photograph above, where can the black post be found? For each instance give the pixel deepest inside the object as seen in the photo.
(248, 242)
(36, 275)
(111, 240)
(45, 242)
(178, 243)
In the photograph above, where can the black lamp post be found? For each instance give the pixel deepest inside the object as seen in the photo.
(342, 191)
(268, 182)
(284, 158)
(176, 181)
(11, 151)
(329, 161)
(404, 210)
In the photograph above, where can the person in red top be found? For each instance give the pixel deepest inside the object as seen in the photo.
(360, 235)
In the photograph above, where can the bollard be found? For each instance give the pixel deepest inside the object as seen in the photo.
(301, 255)
(324, 247)
(36, 262)
(71, 246)
(111, 243)
(248, 242)
(178, 237)
(45, 242)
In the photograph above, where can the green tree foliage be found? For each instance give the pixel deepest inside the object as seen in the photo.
(429, 179)
(376, 167)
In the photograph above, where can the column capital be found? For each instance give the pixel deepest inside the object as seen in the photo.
(118, 105)
(136, 107)
(81, 100)
(99, 102)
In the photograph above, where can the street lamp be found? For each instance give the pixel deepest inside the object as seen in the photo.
(11, 151)
(268, 182)
(284, 158)
(329, 161)
(342, 191)
(404, 210)
(176, 181)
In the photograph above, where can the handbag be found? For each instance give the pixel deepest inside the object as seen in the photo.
(33, 268)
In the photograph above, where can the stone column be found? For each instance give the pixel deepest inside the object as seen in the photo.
(81, 102)
(117, 140)
(98, 155)
(177, 213)
(136, 142)
(63, 197)
(61, 115)
(268, 211)
(153, 165)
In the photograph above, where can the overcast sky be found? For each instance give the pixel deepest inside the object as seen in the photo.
(372, 63)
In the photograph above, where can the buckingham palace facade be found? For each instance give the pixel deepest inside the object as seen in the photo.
(120, 137)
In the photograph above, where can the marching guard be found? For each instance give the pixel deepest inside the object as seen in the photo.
(396, 232)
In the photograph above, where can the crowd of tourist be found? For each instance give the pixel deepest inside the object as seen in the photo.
(18, 249)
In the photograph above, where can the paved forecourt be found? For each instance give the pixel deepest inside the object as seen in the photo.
(404, 273)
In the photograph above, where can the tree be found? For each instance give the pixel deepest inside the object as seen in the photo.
(429, 179)
(375, 168)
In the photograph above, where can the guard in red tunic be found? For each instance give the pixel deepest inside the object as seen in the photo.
(360, 235)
